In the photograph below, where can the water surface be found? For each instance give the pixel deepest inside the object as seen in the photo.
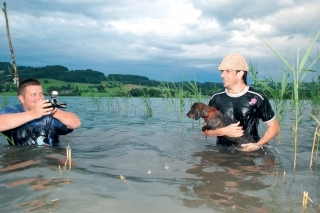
(168, 165)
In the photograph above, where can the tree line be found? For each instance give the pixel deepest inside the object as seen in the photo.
(99, 82)
(62, 73)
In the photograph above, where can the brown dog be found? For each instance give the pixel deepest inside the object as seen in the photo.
(215, 119)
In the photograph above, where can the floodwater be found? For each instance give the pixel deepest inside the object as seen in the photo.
(124, 160)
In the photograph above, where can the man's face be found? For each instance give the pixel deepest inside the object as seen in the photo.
(230, 77)
(31, 96)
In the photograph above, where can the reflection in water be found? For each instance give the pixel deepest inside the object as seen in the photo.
(29, 157)
(229, 180)
(21, 158)
(40, 204)
(16, 166)
(39, 183)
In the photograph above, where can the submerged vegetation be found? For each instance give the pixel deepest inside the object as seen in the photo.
(298, 70)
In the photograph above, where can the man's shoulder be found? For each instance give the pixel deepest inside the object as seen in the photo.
(256, 92)
(12, 109)
(220, 92)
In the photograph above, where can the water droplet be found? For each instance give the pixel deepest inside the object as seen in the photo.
(166, 167)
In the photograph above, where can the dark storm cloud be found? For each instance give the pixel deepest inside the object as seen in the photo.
(155, 38)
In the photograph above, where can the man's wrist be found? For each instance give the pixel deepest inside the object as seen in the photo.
(260, 144)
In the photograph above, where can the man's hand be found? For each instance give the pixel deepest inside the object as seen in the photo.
(234, 130)
(250, 147)
(43, 107)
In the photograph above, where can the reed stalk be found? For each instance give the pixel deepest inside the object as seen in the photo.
(195, 91)
(16, 76)
(196, 95)
(316, 139)
(168, 94)
(314, 92)
(96, 100)
(11, 140)
(181, 95)
(118, 91)
(305, 199)
(68, 160)
(276, 92)
(299, 71)
(168, 97)
(146, 101)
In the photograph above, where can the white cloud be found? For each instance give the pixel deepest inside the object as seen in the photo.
(177, 34)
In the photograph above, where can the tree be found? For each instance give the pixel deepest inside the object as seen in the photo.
(101, 88)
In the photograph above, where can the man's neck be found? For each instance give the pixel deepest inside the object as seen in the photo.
(237, 88)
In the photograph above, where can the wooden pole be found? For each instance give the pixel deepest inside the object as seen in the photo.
(16, 76)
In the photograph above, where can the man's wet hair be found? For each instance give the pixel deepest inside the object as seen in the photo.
(27, 82)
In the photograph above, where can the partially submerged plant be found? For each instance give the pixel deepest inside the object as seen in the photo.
(299, 72)
(278, 93)
(146, 101)
(11, 140)
(316, 140)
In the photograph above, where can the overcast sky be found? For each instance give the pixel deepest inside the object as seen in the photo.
(160, 39)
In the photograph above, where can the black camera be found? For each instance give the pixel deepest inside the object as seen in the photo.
(54, 101)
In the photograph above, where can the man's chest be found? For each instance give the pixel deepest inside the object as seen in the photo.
(238, 107)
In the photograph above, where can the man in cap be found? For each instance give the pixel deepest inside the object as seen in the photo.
(242, 104)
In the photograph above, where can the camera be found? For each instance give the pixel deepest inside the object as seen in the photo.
(54, 101)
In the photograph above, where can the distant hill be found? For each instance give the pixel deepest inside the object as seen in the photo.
(61, 73)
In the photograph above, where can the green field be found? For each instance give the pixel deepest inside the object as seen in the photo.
(87, 89)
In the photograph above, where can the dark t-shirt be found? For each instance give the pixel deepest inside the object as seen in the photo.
(34, 132)
(248, 107)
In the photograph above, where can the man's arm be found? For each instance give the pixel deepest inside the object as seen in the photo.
(272, 130)
(233, 130)
(69, 119)
(13, 120)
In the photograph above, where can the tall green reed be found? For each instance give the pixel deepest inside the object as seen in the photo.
(11, 140)
(117, 90)
(179, 91)
(299, 70)
(314, 92)
(196, 94)
(277, 92)
(146, 101)
(168, 95)
(97, 100)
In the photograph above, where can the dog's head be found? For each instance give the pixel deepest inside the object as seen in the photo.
(196, 111)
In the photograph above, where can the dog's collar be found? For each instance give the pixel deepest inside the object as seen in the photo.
(210, 113)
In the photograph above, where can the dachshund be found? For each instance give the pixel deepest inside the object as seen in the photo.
(215, 119)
